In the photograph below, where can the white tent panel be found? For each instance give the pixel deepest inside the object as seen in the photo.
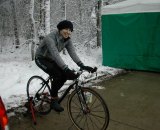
(132, 6)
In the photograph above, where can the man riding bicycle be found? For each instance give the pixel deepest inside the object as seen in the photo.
(48, 59)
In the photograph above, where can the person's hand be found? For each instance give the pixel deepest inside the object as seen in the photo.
(70, 74)
(87, 68)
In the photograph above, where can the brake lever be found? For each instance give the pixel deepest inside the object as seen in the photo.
(94, 70)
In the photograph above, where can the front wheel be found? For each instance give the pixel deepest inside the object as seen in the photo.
(88, 113)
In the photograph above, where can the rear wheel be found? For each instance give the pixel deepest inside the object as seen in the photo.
(39, 92)
(91, 114)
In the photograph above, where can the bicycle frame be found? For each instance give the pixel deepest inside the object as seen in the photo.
(77, 88)
(67, 91)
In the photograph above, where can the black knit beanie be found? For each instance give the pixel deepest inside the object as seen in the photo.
(65, 24)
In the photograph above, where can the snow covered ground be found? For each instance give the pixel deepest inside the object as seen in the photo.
(16, 68)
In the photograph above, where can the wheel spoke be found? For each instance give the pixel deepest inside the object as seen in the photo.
(76, 104)
(93, 103)
(99, 111)
(87, 122)
(76, 108)
(93, 123)
(97, 106)
(97, 116)
(78, 117)
(84, 123)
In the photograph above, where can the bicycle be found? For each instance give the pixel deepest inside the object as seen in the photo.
(86, 108)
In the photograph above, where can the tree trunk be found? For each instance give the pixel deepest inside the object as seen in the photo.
(17, 43)
(47, 16)
(33, 29)
(41, 29)
(42, 24)
(80, 11)
(64, 16)
(63, 9)
(98, 13)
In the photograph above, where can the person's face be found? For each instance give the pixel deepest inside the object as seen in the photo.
(65, 32)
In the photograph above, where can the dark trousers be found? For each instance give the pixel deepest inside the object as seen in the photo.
(51, 68)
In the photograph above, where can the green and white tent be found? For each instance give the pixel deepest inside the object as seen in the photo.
(131, 35)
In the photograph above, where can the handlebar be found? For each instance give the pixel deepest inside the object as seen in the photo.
(81, 71)
(94, 70)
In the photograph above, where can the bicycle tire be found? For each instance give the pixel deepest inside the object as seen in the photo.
(73, 105)
(39, 91)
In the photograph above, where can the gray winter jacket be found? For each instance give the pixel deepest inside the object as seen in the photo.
(54, 43)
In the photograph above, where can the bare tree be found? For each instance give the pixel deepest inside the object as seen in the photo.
(47, 16)
(44, 18)
(41, 20)
(80, 5)
(63, 8)
(98, 16)
(16, 34)
(33, 29)
(44, 22)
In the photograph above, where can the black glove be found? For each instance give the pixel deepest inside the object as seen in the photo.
(70, 74)
(88, 68)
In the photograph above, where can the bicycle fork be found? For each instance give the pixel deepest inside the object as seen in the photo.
(82, 101)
